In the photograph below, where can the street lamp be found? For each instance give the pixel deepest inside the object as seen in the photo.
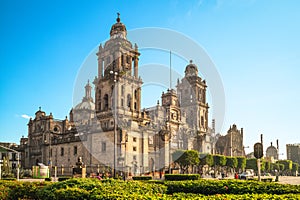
(245, 147)
(115, 74)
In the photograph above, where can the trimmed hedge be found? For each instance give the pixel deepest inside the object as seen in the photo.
(142, 178)
(211, 187)
(116, 189)
(231, 196)
(11, 190)
(181, 177)
(64, 178)
(104, 189)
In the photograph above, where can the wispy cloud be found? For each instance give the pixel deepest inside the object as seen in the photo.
(25, 116)
(194, 8)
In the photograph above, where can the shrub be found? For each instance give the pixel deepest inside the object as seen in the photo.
(63, 178)
(22, 190)
(181, 177)
(9, 179)
(210, 187)
(116, 189)
(72, 194)
(142, 178)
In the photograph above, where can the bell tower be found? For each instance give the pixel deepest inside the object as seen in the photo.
(118, 84)
(192, 96)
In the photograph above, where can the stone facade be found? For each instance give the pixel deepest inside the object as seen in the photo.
(232, 143)
(114, 131)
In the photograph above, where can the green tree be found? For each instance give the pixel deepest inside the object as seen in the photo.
(262, 165)
(219, 160)
(231, 162)
(288, 165)
(275, 166)
(281, 167)
(206, 159)
(251, 164)
(267, 166)
(241, 163)
(186, 159)
(295, 167)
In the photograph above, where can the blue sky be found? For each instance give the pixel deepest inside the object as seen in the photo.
(255, 46)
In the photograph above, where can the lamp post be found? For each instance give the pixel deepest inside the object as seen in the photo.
(115, 74)
(50, 155)
(244, 150)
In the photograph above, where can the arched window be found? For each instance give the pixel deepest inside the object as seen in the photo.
(135, 94)
(128, 59)
(112, 89)
(122, 60)
(128, 100)
(122, 90)
(105, 102)
(99, 97)
(99, 105)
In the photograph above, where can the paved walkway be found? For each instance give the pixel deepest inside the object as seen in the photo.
(293, 180)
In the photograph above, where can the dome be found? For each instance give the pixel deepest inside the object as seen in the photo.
(85, 105)
(87, 102)
(118, 29)
(191, 69)
(271, 148)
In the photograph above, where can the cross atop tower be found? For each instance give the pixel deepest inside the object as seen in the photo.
(118, 19)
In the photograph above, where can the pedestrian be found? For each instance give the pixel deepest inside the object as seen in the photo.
(236, 176)
(99, 176)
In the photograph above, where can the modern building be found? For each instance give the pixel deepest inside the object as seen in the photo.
(293, 152)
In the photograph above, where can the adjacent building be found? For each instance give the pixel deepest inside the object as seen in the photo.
(231, 144)
(293, 152)
(9, 156)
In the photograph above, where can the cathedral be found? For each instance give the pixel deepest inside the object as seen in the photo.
(112, 130)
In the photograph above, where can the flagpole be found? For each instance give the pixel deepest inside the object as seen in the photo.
(170, 70)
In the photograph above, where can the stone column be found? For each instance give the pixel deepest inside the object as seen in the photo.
(117, 59)
(138, 101)
(136, 64)
(100, 68)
